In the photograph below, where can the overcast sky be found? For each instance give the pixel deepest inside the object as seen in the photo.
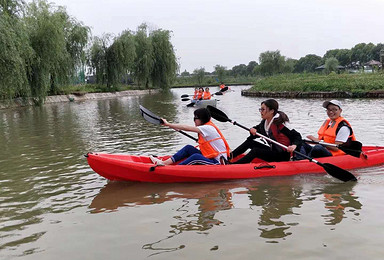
(232, 32)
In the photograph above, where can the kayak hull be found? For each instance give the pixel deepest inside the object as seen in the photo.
(123, 167)
(203, 103)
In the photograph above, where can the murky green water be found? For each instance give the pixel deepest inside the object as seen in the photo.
(52, 205)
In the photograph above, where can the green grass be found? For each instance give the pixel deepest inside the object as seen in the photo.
(353, 83)
(94, 88)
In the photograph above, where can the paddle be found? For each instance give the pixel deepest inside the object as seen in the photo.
(351, 147)
(331, 169)
(154, 119)
(224, 89)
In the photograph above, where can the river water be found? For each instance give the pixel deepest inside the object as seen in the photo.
(53, 206)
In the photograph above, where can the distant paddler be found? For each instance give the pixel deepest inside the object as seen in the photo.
(206, 94)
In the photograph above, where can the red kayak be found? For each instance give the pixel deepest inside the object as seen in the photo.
(123, 167)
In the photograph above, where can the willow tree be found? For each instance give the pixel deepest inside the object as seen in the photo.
(143, 61)
(98, 58)
(220, 72)
(76, 38)
(57, 41)
(199, 75)
(331, 64)
(165, 64)
(120, 58)
(271, 62)
(15, 53)
(12, 8)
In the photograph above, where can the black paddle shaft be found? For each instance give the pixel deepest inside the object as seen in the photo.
(331, 169)
(154, 119)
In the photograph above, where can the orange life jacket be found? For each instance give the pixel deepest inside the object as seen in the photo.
(206, 148)
(278, 136)
(195, 94)
(222, 86)
(206, 95)
(199, 95)
(328, 134)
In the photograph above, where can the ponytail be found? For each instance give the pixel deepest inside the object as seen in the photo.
(281, 119)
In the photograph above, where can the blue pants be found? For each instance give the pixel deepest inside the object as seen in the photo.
(192, 155)
(316, 151)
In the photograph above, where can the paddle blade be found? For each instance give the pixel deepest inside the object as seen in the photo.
(218, 114)
(352, 148)
(224, 89)
(184, 96)
(338, 173)
(219, 93)
(185, 99)
(150, 117)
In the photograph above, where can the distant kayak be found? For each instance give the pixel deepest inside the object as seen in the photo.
(203, 103)
(124, 167)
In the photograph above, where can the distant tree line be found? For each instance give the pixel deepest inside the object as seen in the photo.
(43, 49)
(272, 62)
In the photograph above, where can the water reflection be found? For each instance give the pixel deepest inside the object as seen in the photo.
(340, 199)
(280, 204)
(45, 178)
(276, 200)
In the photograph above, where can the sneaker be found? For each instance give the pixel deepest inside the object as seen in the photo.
(156, 161)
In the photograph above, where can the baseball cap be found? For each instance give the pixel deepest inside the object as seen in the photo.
(333, 102)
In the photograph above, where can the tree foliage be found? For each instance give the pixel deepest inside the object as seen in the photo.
(271, 62)
(15, 54)
(220, 72)
(120, 57)
(143, 61)
(308, 63)
(199, 75)
(58, 42)
(331, 64)
(165, 64)
(97, 59)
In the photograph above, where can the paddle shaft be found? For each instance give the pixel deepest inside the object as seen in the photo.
(331, 169)
(155, 117)
(184, 133)
(277, 143)
(352, 148)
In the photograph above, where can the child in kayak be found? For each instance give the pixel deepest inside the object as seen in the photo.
(273, 126)
(213, 147)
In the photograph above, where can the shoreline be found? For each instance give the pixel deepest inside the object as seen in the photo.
(19, 102)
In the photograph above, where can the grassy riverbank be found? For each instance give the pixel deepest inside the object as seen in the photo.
(354, 83)
(95, 88)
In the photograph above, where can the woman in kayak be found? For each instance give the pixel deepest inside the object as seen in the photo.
(213, 146)
(273, 126)
(206, 94)
(334, 130)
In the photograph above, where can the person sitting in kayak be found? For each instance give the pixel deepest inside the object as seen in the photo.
(334, 130)
(195, 94)
(200, 94)
(273, 126)
(206, 94)
(213, 146)
(222, 85)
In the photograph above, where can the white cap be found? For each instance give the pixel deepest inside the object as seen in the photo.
(333, 102)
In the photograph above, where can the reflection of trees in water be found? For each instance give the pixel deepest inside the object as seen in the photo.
(338, 199)
(275, 201)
